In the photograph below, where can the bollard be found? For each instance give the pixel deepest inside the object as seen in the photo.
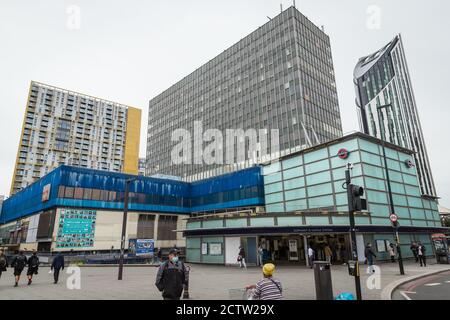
(186, 284)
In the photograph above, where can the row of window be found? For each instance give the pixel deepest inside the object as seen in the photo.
(156, 199)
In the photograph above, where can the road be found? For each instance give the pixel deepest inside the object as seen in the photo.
(434, 287)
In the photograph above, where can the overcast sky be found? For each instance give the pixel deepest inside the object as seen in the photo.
(130, 51)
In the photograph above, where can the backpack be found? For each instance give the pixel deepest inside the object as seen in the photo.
(20, 262)
(34, 261)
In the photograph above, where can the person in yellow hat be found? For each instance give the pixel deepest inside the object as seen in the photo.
(268, 288)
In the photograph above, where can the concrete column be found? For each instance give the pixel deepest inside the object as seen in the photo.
(155, 236)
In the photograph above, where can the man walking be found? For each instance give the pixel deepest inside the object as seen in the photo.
(19, 262)
(328, 253)
(33, 266)
(241, 258)
(310, 256)
(421, 254)
(391, 252)
(414, 251)
(3, 263)
(369, 256)
(172, 276)
(57, 265)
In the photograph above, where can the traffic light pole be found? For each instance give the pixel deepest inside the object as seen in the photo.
(351, 215)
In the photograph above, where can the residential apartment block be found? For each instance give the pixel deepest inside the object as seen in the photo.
(65, 127)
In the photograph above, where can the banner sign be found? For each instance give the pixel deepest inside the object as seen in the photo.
(76, 228)
(145, 247)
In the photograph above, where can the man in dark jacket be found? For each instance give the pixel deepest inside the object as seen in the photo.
(33, 266)
(172, 277)
(3, 263)
(368, 252)
(19, 262)
(421, 254)
(57, 265)
(413, 248)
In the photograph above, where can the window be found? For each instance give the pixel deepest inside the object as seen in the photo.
(69, 192)
(61, 190)
(87, 194)
(146, 226)
(95, 194)
(166, 225)
(78, 193)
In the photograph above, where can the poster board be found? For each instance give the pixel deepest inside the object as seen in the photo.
(76, 228)
(215, 249)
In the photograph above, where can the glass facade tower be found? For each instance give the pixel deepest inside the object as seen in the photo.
(281, 76)
(387, 107)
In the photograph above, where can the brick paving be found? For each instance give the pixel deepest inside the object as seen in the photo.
(207, 282)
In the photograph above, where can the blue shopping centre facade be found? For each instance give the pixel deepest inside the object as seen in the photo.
(282, 206)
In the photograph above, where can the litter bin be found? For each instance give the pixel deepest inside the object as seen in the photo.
(322, 277)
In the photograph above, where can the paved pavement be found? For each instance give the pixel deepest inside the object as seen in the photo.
(433, 287)
(207, 282)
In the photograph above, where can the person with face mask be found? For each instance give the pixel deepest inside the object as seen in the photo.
(172, 276)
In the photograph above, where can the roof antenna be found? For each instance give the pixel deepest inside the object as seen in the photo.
(281, 7)
(294, 3)
(323, 28)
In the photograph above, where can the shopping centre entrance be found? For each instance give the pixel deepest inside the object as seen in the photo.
(283, 249)
(292, 249)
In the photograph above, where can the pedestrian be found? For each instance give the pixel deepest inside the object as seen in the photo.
(33, 266)
(369, 256)
(241, 258)
(18, 263)
(172, 277)
(268, 288)
(159, 256)
(3, 263)
(343, 254)
(391, 252)
(57, 265)
(328, 253)
(310, 256)
(421, 254)
(413, 248)
(261, 255)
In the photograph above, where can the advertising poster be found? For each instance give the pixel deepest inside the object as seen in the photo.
(215, 249)
(76, 228)
(145, 247)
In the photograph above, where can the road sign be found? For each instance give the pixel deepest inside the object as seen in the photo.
(393, 217)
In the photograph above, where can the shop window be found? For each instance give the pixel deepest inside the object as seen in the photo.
(95, 194)
(69, 192)
(78, 193)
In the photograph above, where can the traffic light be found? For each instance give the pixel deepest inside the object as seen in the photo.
(356, 192)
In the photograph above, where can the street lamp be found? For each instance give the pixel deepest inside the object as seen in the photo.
(391, 200)
(124, 225)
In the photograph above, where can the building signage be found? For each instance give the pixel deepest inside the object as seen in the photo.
(46, 192)
(409, 163)
(76, 228)
(393, 217)
(343, 153)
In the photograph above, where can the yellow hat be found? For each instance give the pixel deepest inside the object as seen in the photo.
(268, 269)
